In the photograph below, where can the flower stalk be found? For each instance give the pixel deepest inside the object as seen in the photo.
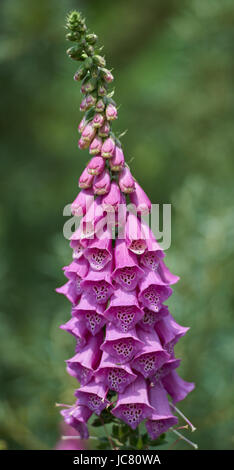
(125, 336)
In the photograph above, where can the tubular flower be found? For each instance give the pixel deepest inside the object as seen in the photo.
(117, 282)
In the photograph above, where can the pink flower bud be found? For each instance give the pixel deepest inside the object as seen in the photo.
(95, 146)
(85, 180)
(88, 133)
(140, 200)
(117, 161)
(107, 75)
(100, 106)
(96, 166)
(87, 87)
(101, 183)
(126, 181)
(90, 101)
(83, 144)
(111, 112)
(104, 130)
(108, 148)
(82, 125)
(101, 90)
(111, 201)
(83, 105)
(98, 120)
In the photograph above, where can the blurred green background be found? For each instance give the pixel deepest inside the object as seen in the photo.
(174, 68)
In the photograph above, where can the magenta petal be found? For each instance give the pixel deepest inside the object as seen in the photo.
(126, 181)
(176, 386)
(140, 200)
(77, 269)
(162, 418)
(78, 247)
(169, 331)
(116, 377)
(98, 285)
(83, 201)
(124, 310)
(152, 295)
(93, 396)
(117, 161)
(86, 361)
(78, 329)
(122, 346)
(134, 235)
(76, 416)
(113, 199)
(166, 276)
(127, 272)
(152, 246)
(89, 221)
(85, 180)
(99, 251)
(96, 165)
(102, 182)
(71, 290)
(91, 315)
(165, 369)
(151, 356)
(133, 405)
(150, 318)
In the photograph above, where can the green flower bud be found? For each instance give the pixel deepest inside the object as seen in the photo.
(91, 38)
(99, 60)
(88, 62)
(73, 36)
(89, 49)
(75, 52)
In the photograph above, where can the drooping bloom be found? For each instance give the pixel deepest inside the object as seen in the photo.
(162, 418)
(118, 282)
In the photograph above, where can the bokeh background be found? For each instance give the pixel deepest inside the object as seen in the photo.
(174, 68)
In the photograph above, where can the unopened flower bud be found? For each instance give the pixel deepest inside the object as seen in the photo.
(88, 62)
(107, 75)
(96, 166)
(108, 148)
(88, 86)
(89, 49)
(98, 120)
(101, 183)
(82, 125)
(74, 52)
(91, 38)
(100, 106)
(85, 180)
(88, 133)
(102, 90)
(140, 200)
(111, 112)
(95, 146)
(83, 144)
(83, 105)
(117, 161)
(90, 101)
(104, 130)
(99, 60)
(73, 36)
(80, 74)
(126, 181)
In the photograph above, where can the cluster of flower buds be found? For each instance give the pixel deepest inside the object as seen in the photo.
(125, 335)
